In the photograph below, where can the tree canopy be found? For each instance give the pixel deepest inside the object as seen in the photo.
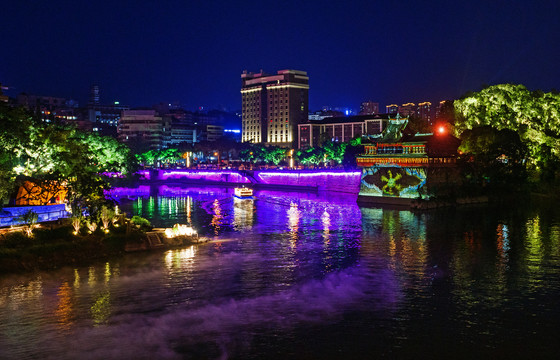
(260, 153)
(33, 150)
(493, 156)
(534, 115)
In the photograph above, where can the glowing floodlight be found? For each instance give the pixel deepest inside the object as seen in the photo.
(180, 230)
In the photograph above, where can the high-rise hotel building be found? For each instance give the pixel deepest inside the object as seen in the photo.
(273, 106)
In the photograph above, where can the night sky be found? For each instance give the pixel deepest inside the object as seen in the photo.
(193, 52)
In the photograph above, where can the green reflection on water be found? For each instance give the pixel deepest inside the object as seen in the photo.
(101, 308)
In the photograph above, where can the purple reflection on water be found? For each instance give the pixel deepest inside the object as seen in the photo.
(333, 180)
(119, 192)
(228, 323)
(225, 175)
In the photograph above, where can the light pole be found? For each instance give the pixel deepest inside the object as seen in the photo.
(218, 155)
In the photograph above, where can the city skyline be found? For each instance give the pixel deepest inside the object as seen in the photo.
(145, 53)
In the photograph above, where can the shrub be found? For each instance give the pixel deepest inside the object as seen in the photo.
(15, 240)
(141, 222)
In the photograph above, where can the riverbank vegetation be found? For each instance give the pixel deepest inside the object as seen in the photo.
(44, 154)
(54, 247)
(69, 242)
(510, 138)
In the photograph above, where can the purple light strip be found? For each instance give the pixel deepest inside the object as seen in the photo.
(204, 175)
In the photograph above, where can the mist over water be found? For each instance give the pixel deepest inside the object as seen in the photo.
(325, 279)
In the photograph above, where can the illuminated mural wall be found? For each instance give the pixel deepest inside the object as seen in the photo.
(393, 181)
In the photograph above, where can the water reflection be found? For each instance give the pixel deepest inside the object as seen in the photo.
(101, 307)
(189, 210)
(243, 214)
(367, 280)
(502, 245)
(65, 311)
(217, 217)
(399, 236)
(294, 215)
(180, 259)
(18, 295)
(326, 221)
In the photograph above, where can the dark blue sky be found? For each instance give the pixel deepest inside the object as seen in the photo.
(145, 52)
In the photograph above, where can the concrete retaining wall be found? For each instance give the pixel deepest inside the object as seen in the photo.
(10, 215)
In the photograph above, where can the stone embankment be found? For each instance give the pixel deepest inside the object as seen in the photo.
(434, 204)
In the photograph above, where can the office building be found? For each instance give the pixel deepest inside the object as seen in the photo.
(142, 128)
(341, 129)
(425, 111)
(273, 106)
(369, 108)
(408, 109)
(392, 109)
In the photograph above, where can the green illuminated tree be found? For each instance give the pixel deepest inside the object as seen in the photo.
(335, 150)
(311, 156)
(51, 153)
(535, 116)
(274, 154)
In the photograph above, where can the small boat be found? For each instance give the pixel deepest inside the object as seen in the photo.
(243, 193)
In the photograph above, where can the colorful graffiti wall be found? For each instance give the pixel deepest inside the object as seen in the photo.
(393, 181)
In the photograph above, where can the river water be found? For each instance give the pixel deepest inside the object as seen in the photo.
(325, 279)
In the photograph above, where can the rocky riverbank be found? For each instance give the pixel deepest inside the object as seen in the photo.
(51, 248)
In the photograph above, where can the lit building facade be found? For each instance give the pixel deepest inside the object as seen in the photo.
(273, 106)
(104, 118)
(214, 132)
(108, 115)
(141, 126)
(422, 110)
(425, 111)
(439, 109)
(341, 129)
(369, 108)
(392, 109)
(408, 109)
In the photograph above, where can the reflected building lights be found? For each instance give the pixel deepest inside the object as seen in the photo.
(502, 244)
(216, 217)
(326, 221)
(294, 215)
(503, 240)
(189, 211)
(243, 214)
(20, 294)
(92, 278)
(65, 308)
(179, 259)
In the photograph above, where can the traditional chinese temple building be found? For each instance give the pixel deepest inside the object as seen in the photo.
(398, 166)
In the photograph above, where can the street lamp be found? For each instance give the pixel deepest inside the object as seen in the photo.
(291, 158)
(218, 155)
